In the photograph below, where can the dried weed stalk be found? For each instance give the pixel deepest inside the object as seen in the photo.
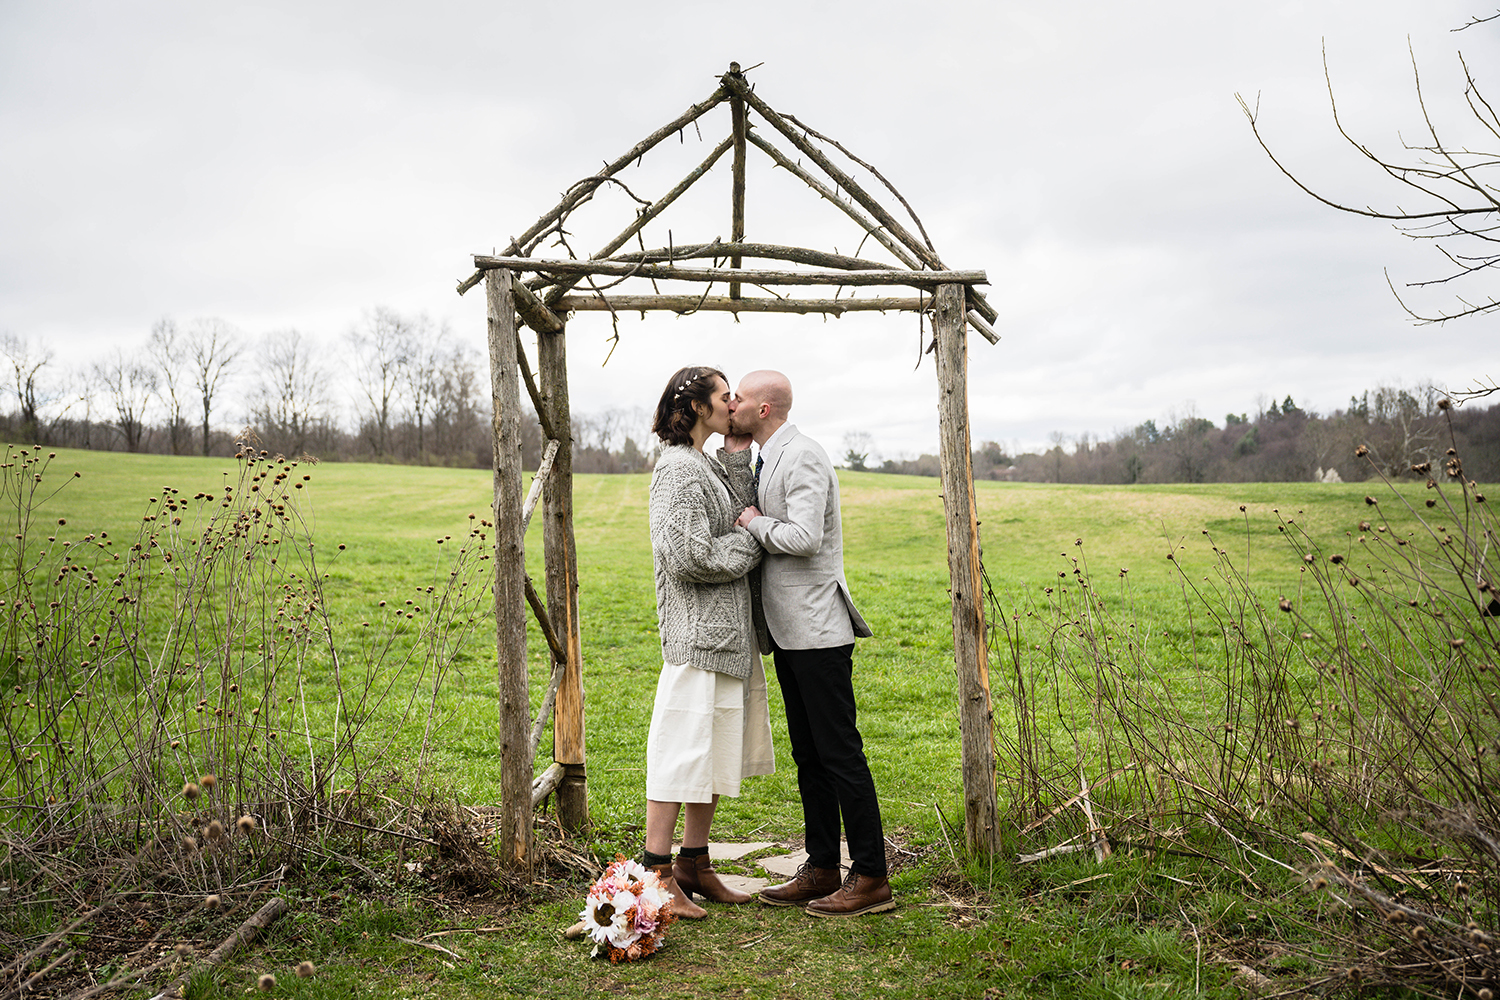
(1348, 731)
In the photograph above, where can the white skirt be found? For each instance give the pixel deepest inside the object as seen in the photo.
(708, 731)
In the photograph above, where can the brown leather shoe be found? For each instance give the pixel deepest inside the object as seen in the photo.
(698, 875)
(859, 894)
(682, 903)
(808, 884)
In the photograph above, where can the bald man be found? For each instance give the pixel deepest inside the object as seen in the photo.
(805, 617)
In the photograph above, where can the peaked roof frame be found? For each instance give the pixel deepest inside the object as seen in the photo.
(551, 292)
(920, 266)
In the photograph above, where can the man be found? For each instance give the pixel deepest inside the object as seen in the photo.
(804, 615)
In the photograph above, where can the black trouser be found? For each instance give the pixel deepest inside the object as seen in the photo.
(833, 776)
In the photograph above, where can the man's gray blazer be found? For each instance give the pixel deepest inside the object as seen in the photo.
(806, 597)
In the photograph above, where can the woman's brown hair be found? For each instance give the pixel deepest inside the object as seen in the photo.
(675, 416)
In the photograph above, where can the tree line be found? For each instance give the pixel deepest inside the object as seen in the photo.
(398, 388)
(395, 388)
(1397, 428)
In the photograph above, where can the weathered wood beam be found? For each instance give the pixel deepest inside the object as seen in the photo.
(985, 330)
(970, 650)
(560, 551)
(538, 482)
(892, 276)
(585, 188)
(655, 209)
(738, 88)
(542, 417)
(830, 195)
(534, 312)
(976, 319)
(765, 251)
(544, 711)
(717, 303)
(546, 783)
(544, 622)
(514, 838)
(741, 126)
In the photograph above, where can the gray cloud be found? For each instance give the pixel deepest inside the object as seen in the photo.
(292, 165)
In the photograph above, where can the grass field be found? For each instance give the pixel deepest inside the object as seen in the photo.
(388, 534)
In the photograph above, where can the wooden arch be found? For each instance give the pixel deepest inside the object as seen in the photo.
(543, 300)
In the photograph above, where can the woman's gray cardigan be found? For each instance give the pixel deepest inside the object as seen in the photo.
(701, 558)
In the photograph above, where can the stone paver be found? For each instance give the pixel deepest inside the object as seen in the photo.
(786, 865)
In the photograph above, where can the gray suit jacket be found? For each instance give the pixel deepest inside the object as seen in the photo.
(805, 596)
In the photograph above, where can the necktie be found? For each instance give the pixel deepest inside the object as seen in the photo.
(760, 461)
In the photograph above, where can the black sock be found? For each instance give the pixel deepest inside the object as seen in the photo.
(655, 860)
(693, 852)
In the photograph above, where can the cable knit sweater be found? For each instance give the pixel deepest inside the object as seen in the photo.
(701, 558)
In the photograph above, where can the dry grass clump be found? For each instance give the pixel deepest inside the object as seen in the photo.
(183, 719)
(1350, 729)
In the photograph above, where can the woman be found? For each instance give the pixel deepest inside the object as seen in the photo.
(710, 726)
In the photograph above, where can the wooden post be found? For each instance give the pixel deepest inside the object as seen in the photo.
(562, 584)
(970, 650)
(514, 839)
(737, 193)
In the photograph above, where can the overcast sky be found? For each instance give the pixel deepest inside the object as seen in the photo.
(291, 165)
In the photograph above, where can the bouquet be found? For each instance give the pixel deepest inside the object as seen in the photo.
(627, 911)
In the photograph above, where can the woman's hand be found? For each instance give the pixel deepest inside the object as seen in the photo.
(737, 442)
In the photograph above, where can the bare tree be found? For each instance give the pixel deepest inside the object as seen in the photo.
(79, 389)
(858, 447)
(290, 397)
(130, 383)
(27, 362)
(213, 346)
(1456, 206)
(381, 347)
(421, 374)
(166, 349)
(456, 422)
(1403, 429)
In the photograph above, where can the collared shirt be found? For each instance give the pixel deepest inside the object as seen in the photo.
(776, 442)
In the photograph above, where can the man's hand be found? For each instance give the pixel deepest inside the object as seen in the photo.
(737, 442)
(746, 516)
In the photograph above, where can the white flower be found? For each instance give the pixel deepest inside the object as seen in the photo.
(633, 870)
(654, 896)
(598, 915)
(621, 930)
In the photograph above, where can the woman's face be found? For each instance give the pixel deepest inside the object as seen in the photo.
(716, 420)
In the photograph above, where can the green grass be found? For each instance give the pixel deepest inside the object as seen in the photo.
(1043, 930)
(389, 518)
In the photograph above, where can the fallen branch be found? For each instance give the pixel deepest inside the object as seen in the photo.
(262, 919)
(1069, 804)
(428, 945)
(1102, 849)
(1051, 852)
(465, 930)
(51, 942)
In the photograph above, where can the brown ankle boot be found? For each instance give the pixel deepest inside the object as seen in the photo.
(682, 904)
(698, 875)
(808, 884)
(859, 894)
